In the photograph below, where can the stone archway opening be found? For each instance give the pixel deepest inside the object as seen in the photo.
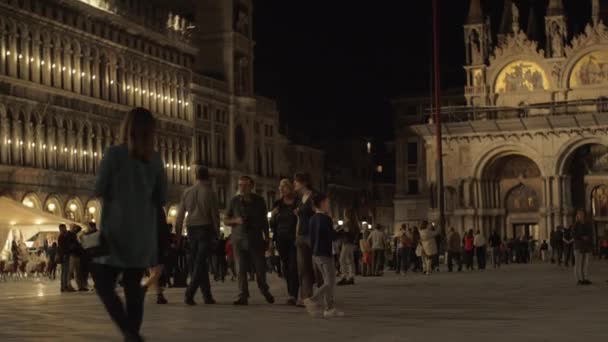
(511, 196)
(582, 167)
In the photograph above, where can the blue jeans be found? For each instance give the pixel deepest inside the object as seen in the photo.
(403, 259)
(202, 239)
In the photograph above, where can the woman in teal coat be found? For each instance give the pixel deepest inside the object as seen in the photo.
(132, 185)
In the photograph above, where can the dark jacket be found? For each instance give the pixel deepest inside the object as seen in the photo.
(255, 228)
(322, 235)
(557, 239)
(285, 222)
(495, 241)
(583, 237)
(305, 212)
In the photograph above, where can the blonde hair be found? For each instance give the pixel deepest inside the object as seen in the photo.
(286, 182)
(137, 133)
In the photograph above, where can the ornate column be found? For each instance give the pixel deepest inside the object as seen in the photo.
(66, 67)
(35, 58)
(23, 57)
(46, 60)
(4, 135)
(93, 77)
(77, 69)
(40, 148)
(56, 62)
(62, 156)
(12, 49)
(51, 148)
(3, 50)
(85, 71)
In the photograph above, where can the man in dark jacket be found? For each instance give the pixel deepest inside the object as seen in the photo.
(63, 252)
(583, 245)
(568, 247)
(247, 215)
(495, 243)
(557, 245)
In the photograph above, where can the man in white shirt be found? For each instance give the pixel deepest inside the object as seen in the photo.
(203, 222)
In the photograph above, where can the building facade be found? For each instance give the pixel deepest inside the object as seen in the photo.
(530, 145)
(70, 70)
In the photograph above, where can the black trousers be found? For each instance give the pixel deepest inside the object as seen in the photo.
(468, 258)
(569, 255)
(289, 263)
(202, 239)
(481, 257)
(454, 256)
(128, 318)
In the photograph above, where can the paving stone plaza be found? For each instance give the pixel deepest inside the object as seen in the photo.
(537, 302)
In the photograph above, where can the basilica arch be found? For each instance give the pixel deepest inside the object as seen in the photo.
(511, 195)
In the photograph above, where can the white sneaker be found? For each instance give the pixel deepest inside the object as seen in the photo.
(312, 307)
(333, 313)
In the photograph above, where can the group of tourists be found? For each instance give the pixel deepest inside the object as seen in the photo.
(136, 239)
(423, 246)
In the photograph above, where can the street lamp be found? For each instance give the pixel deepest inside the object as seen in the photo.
(340, 222)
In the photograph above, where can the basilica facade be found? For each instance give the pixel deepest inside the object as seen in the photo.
(529, 144)
(70, 70)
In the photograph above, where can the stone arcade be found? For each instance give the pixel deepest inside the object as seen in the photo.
(69, 70)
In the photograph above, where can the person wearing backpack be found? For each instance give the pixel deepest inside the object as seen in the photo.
(454, 250)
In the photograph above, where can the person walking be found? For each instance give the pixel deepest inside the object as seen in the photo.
(305, 210)
(63, 255)
(348, 237)
(583, 246)
(132, 184)
(429, 246)
(495, 246)
(284, 224)
(377, 240)
(454, 250)
(404, 251)
(158, 274)
(544, 249)
(230, 258)
(469, 249)
(86, 259)
(247, 215)
(52, 257)
(556, 242)
(480, 250)
(322, 236)
(220, 254)
(569, 258)
(76, 254)
(203, 222)
(366, 252)
(414, 256)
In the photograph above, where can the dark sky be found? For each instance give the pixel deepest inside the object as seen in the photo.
(334, 65)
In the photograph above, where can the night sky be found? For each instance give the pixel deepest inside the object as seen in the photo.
(333, 66)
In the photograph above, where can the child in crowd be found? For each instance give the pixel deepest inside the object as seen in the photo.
(322, 235)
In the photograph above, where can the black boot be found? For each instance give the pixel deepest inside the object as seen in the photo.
(160, 299)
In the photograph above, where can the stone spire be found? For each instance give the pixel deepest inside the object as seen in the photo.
(556, 29)
(599, 11)
(532, 29)
(555, 8)
(475, 14)
(510, 20)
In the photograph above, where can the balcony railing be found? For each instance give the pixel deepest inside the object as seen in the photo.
(467, 113)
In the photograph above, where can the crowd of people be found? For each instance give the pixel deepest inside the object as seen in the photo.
(298, 239)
